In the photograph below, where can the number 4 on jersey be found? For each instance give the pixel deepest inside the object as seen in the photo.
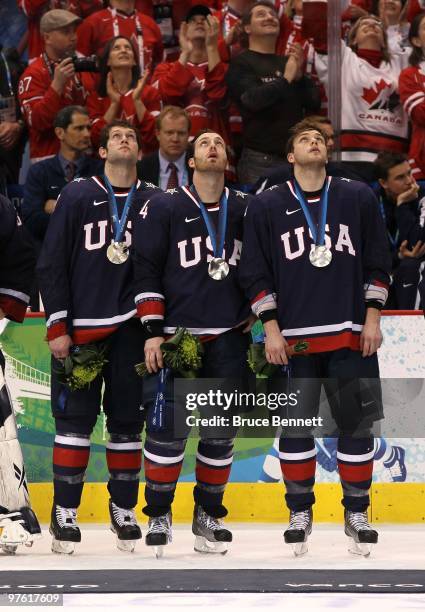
(144, 210)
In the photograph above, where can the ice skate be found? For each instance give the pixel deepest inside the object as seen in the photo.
(362, 535)
(20, 527)
(300, 524)
(396, 465)
(159, 533)
(64, 529)
(124, 525)
(211, 536)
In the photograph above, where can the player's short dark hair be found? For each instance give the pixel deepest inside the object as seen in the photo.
(105, 131)
(386, 160)
(191, 145)
(306, 125)
(64, 117)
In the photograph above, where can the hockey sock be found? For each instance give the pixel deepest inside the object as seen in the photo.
(213, 464)
(71, 453)
(124, 460)
(355, 466)
(163, 464)
(298, 465)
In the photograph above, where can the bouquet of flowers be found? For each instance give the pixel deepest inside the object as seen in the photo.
(182, 354)
(257, 358)
(84, 363)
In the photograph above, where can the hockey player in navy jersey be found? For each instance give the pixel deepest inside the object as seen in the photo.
(85, 276)
(18, 523)
(187, 245)
(315, 265)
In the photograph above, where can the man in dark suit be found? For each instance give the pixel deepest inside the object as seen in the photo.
(168, 168)
(46, 178)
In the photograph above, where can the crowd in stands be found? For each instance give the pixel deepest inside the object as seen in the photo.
(249, 70)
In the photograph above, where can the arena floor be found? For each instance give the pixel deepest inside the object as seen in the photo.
(258, 572)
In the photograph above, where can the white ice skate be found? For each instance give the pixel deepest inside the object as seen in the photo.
(300, 525)
(64, 529)
(124, 525)
(211, 536)
(361, 534)
(159, 533)
(20, 527)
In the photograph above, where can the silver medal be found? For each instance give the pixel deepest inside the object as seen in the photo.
(117, 252)
(320, 256)
(218, 269)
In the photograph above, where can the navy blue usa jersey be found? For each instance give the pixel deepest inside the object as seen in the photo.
(324, 306)
(172, 250)
(17, 262)
(83, 293)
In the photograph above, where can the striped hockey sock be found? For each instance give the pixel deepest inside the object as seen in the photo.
(163, 464)
(298, 465)
(71, 454)
(355, 466)
(213, 464)
(124, 459)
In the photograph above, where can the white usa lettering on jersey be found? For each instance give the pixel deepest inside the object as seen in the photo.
(96, 235)
(294, 242)
(191, 255)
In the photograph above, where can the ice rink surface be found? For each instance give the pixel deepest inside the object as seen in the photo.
(255, 547)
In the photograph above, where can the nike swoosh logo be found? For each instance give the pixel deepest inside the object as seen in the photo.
(98, 203)
(408, 285)
(54, 186)
(365, 404)
(291, 212)
(193, 219)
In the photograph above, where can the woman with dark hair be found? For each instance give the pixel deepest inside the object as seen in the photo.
(123, 94)
(412, 95)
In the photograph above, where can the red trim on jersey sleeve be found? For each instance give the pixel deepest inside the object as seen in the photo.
(56, 330)
(12, 308)
(151, 307)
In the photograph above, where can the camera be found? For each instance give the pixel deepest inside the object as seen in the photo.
(85, 64)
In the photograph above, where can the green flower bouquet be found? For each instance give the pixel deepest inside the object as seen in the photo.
(83, 364)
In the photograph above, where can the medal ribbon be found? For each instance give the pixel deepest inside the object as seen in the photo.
(118, 224)
(222, 222)
(317, 231)
(8, 75)
(157, 420)
(393, 239)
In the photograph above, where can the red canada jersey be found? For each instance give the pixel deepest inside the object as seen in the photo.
(40, 103)
(97, 107)
(196, 89)
(100, 27)
(412, 95)
(35, 9)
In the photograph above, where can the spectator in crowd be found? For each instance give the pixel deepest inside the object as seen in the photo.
(372, 117)
(50, 83)
(121, 19)
(271, 90)
(35, 9)
(229, 17)
(12, 132)
(412, 95)
(168, 167)
(284, 173)
(393, 15)
(46, 178)
(403, 209)
(196, 81)
(123, 93)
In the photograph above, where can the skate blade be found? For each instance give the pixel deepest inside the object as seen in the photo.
(9, 549)
(359, 548)
(158, 551)
(204, 546)
(61, 547)
(126, 545)
(299, 548)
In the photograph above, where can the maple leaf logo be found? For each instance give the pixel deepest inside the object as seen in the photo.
(376, 96)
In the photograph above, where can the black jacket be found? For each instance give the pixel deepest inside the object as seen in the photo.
(148, 169)
(45, 181)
